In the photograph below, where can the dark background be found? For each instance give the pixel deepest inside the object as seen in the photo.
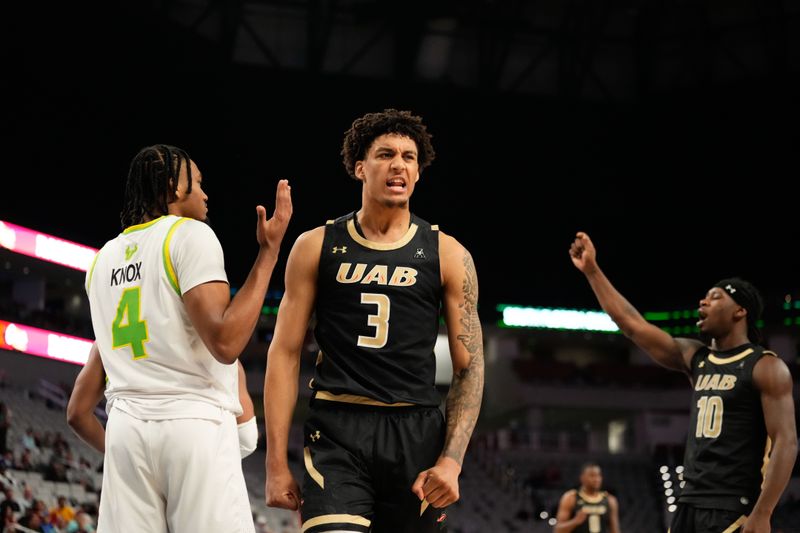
(678, 185)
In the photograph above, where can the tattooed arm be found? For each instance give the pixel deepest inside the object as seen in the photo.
(439, 485)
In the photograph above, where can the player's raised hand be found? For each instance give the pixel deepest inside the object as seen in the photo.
(270, 232)
(583, 254)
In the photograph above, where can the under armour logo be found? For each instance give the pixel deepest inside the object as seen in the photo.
(701, 364)
(343, 249)
(730, 288)
(130, 250)
(420, 254)
(315, 436)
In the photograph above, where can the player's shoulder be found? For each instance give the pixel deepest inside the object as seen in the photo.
(312, 237)
(308, 244)
(454, 256)
(570, 495)
(181, 226)
(187, 231)
(770, 372)
(568, 500)
(449, 245)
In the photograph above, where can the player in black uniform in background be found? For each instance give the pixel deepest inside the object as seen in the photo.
(378, 455)
(588, 509)
(742, 440)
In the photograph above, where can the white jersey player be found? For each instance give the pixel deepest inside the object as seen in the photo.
(169, 334)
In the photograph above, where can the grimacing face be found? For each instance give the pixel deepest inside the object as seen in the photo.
(389, 170)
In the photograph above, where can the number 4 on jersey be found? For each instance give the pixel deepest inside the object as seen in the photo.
(127, 329)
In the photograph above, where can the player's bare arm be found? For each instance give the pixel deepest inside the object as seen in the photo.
(86, 394)
(613, 518)
(226, 324)
(773, 379)
(674, 353)
(283, 365)
(466, 389)
(566, 506)
(460, 282)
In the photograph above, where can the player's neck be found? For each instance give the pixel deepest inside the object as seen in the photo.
(590, 492)
(729, 341)
(384, 224)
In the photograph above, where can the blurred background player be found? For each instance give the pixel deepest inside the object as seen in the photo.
(588, 509)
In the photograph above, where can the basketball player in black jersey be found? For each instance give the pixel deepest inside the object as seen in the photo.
(742, 440)
(588, 509)
(378, 455)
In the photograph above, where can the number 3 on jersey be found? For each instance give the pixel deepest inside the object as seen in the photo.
(379, 321)
(127, 329)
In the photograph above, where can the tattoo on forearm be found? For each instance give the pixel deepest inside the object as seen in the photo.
(466, 390)
(471, 336)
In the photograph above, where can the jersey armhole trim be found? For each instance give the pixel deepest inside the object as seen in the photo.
(91, 272)
(169, 268)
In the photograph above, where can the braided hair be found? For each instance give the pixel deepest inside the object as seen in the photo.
(152, 179)
(366, 129)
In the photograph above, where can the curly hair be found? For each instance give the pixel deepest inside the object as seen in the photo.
(364, 131)
(152, 178)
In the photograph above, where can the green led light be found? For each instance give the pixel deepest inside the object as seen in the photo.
(787, 321)
(655, 316)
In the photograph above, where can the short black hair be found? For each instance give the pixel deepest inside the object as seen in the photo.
(366, 129)
(587, 465)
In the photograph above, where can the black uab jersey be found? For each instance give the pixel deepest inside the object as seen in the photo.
(377, 314)
(596, 507)
(727, 447)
